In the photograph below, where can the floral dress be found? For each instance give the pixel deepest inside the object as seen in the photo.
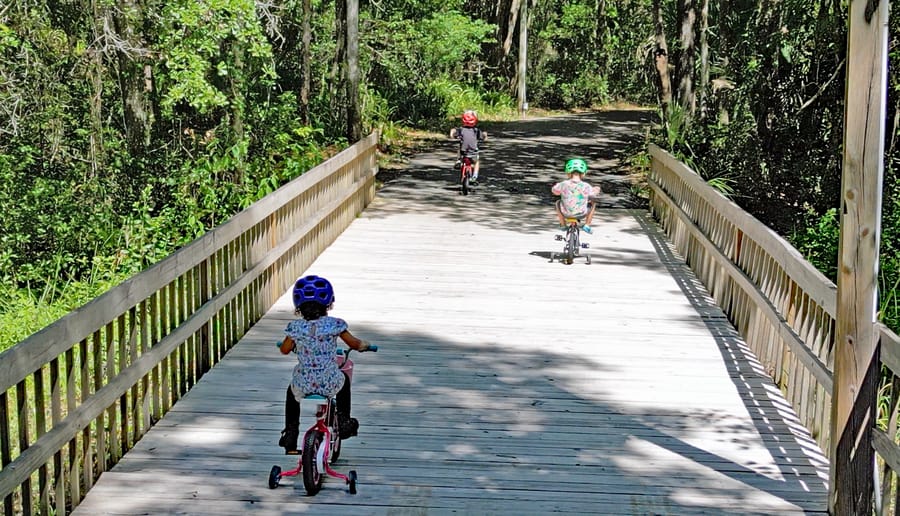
(315, 342)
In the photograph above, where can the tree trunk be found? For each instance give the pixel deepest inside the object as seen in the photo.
(703, 87)
(354, 122)
(336, 87)
(600, 36)
(135, 76)
(685, 68)
(512, 18)
(305, 65)
(661, 60)
(523, 58)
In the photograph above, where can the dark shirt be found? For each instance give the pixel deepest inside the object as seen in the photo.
(469, 137)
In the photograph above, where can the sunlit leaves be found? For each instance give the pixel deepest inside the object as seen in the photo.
(198, 41)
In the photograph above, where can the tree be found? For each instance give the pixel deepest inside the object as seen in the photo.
(684, 71)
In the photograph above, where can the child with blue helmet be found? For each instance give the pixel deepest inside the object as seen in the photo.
(313, 338)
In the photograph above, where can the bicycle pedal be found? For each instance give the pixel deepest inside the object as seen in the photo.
(559, 237)
(585, 246)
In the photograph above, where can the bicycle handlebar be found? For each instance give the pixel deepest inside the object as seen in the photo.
(372, 347)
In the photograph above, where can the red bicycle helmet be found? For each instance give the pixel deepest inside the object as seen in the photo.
(469, 119)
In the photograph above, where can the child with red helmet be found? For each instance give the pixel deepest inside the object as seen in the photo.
(469, 136)
(314, 340)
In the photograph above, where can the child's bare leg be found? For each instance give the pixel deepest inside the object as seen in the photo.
(590, 215)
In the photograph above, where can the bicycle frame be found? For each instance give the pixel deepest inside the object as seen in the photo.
(467, 168)
(466, 171)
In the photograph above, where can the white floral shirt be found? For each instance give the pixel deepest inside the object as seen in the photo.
(316, 344)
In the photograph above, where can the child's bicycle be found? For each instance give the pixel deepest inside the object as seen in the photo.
(466, 171)
(322, 441)
(573, 246)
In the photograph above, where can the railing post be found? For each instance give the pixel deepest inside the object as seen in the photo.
(856, 362)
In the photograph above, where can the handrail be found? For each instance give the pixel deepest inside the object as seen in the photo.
(884, 435)
(782, 306)
(75, 396)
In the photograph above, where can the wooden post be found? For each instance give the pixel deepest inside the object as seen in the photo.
(855, 355)
(523, 54)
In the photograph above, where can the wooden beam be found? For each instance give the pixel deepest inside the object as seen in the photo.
(855, 334)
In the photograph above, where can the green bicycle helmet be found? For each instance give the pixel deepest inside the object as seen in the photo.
(576, 165)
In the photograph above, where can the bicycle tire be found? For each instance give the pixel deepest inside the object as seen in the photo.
(312, 477)
(465, 183)
(571, 242)
(335, 433)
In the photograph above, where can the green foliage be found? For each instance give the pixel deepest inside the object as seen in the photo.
(818, 241)
(420, 62)
(196, 38)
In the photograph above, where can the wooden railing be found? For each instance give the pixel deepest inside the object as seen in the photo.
(884, 435)
(77, 395)
(782, 306)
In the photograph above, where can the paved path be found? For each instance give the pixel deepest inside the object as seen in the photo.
(505, 384)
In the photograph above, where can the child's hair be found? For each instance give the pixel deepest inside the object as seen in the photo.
(312, 310)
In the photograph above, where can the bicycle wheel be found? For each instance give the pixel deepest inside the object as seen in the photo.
(312, 477)
(465, 183)
(571, 243)
(335, 433)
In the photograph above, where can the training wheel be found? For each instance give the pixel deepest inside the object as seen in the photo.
(274, 477)
(351, 479)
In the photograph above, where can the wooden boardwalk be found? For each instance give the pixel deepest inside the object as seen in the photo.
(505, 384)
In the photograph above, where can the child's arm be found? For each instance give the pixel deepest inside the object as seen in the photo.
(287, 345)
(353, 342)
(453, 133)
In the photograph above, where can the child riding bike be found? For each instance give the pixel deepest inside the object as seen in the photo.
(469, 136)
(314, 340)
(575, 195)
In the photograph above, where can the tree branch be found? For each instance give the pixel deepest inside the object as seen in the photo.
(824, 86)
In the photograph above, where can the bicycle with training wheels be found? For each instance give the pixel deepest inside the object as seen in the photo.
(573, 245)
(321, 445)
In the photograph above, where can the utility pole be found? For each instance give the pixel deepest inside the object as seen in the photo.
(856, 358)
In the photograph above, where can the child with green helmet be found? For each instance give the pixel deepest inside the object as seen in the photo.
(575, 195)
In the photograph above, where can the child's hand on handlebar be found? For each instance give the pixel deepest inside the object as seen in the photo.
(367, 346)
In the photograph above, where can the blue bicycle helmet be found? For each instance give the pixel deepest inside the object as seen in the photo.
(313, 288)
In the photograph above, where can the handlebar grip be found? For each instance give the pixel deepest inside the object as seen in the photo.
(372, 347)
(278, 344)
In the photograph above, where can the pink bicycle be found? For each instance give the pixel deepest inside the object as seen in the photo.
(322, 440)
